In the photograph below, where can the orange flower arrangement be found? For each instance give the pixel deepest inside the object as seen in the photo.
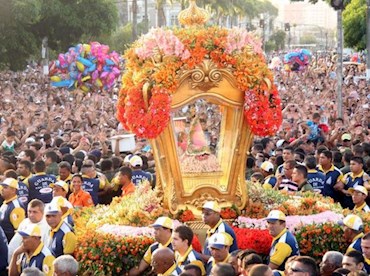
(154, 64)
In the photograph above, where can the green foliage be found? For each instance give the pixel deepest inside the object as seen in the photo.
(308, 39)
(24, 23)
(279, 39)
(354, 23)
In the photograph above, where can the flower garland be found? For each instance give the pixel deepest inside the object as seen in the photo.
(157, 58)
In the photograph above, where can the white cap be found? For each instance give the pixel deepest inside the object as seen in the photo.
(352, 221)
(31, 229)
(30, 140)
(275, 215)
(267, 166)
(52, 208)
(136, 161)
(212, 205)
(279, 143)
(165, 222)
(358, 188)
(219, 240)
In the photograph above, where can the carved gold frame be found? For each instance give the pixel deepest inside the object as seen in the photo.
(179, 190)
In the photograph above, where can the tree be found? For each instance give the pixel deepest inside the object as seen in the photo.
(279, 39)
(308, 39)
(23, 24)
(354, 23)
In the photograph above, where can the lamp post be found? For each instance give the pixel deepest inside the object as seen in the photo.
(338, 5)
(368, 41)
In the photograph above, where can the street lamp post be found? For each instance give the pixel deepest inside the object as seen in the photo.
(368, 41)
(340, 62)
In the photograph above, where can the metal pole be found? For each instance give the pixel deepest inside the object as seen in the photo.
(45, 56)
(368, 41)
(146, 16)
(340, 62)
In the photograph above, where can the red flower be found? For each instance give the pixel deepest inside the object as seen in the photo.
(256, 239)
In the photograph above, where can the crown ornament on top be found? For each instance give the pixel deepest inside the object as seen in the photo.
(193, 15)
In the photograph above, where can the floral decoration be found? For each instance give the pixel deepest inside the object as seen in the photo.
(185, 215)
(316, 239)
(258, 240)
(155, 62)
(229, 212)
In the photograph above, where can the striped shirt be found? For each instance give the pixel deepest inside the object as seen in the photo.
(288, 185)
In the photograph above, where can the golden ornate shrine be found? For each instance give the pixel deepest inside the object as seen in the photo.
(190, 190)
(199, 94)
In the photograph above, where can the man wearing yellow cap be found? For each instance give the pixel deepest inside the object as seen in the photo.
(12, 211)
(66, 208)
(163, 235)
(32, 253)
(359, 195)
(353, 231)
(211, 217)
(219, 245)
(62, 239)
(267, 170)
(284, 244)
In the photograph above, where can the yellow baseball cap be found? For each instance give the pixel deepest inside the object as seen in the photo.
(219, 240)
(30, 230)
(346, 136)
(352, 221)
(61, 184)
(212, 205)
(358, 188)
(165, 222)
(10, 182)
(61, 202)
(267, 166)
(275, 215)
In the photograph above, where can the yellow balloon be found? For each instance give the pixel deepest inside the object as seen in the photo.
(98, 83)
(86, 78)
(55, 78)
(80, 66)
(85, 88)
(87, 48)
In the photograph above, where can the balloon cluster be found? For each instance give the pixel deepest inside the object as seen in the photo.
(297, 60)
(87, 67)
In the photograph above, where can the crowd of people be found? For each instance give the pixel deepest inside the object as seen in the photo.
(56, 155)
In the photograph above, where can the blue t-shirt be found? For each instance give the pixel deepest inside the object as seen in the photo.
(317, 180)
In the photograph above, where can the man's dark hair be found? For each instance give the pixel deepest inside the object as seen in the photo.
(52, 155)
(337, 157)
(289, 148)
(310, 162)
(309, 264)
(40, 166)
(31, 154)
(11, 174)
(291, 163)
(250, 259)
(366, 236)
(328, 154)
(358, 159)
(366, 147)
(65, 165)
(356, 255)
(92, 157)
(250, 162)
(339, 119)
(224, 269)
(126, 171)
(193, 267)
(36, 145)
(265, 141)
(358, 150)
(321, 149)
(347, 156)
(106, 165)
(258, 147)
(316, 115)
(117, 162)
(302, 170)
(68, 158)
(185, 233)
(258, 270)
(26, 163)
